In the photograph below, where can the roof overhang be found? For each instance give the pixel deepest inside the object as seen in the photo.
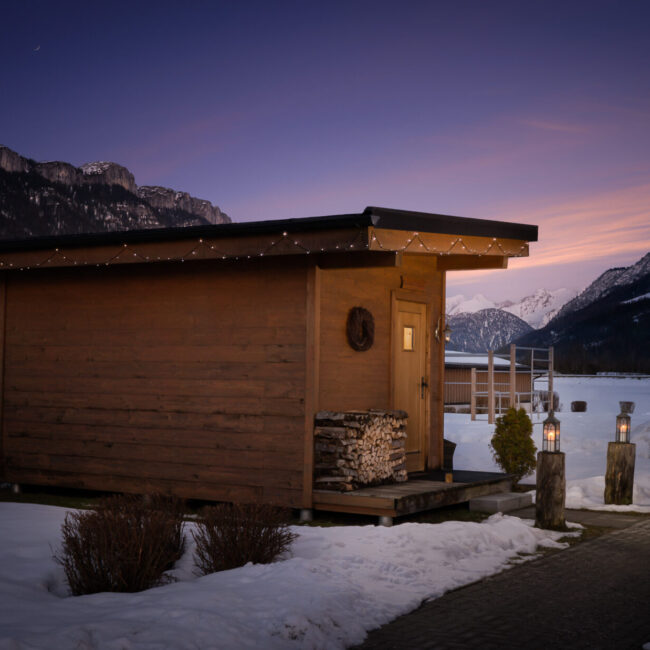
(377, 236)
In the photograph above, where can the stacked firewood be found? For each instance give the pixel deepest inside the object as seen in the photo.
(359, 448)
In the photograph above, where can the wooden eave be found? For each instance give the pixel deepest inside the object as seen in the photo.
(376, 237)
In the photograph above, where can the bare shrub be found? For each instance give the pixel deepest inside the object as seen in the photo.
(124, 544)
(542, 400)
(231, 535)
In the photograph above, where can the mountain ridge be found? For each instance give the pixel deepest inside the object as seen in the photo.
(486, 329)
(55, 198)
(605, 327)
(608, 329)
(536, 309)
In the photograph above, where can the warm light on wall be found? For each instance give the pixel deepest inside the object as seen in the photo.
(442, 333)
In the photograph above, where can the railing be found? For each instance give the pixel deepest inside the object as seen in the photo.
(490, 397)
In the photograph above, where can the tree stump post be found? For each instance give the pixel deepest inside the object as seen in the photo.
(551, 491)
(472, 399)
(490, 386)
(619, 478)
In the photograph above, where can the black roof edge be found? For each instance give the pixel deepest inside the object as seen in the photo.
(371, 216)
(449, 225)
(189, 232)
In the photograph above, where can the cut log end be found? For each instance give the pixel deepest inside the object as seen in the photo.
(359, 448)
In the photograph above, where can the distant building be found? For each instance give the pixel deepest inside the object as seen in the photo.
(458, 372)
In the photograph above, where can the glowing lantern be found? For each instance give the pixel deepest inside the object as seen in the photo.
(551, 440)
(623, 422)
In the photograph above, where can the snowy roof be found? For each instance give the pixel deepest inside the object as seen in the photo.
(474, 360)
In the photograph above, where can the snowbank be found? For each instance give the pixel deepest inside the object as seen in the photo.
(337, 584)
(584, 437)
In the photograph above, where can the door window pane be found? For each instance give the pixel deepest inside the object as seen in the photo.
(409, 338)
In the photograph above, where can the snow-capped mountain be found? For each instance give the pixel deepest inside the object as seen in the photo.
(605, 283)
(540, 307)
(536, 309)
(478, 324)
(606, 327)
(486, 329)
(461, 305)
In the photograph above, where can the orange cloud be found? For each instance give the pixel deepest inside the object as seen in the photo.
(613, 227)
(598, 226)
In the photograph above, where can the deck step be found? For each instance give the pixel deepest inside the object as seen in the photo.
(500, 502)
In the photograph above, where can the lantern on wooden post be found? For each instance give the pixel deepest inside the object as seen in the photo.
(551, 483)
(621, 455)
(623, 422)
(551, 439)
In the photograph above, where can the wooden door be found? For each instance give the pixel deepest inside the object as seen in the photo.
(410, 381)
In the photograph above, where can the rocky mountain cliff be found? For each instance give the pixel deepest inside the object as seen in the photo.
(56, 198)
(607, 282)
(606, 327)
(486, 329)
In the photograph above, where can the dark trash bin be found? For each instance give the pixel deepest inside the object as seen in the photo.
(448, 454)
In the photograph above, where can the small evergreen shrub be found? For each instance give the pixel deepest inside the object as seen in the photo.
(231, 535)
(578, 406)
(512, 444)
(124, 544)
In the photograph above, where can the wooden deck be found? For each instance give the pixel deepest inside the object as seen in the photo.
(423, 491)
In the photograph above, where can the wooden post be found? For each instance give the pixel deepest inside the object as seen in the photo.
(312, 360)
(551, 490)
(513, 375)
(3, 327)
(490, 379)
(472, 398)
(551, 404)
(619, 478)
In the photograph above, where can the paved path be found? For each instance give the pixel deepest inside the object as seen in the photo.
(601, 518)
(594, 595)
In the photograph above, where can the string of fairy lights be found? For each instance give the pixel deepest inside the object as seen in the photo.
(421, 243)
(202, 249)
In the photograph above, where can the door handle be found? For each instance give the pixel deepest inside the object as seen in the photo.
(423, 385)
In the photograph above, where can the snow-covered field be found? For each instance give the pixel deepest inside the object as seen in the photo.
(334, 585)
(584, 437)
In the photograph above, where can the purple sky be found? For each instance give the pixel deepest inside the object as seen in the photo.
(536, 112)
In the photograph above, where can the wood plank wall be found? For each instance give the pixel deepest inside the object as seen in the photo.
(351, 380)
(458, 389)
(180, 378)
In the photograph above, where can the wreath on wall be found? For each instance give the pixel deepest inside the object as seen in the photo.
(360, 329)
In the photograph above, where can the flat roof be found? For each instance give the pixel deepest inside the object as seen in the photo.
(382, 218)
(457, 359)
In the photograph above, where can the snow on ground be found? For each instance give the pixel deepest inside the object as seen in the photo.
(336, 584)
(584, 437)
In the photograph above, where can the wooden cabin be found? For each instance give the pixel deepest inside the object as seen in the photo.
(458, 373)
(192, 361)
